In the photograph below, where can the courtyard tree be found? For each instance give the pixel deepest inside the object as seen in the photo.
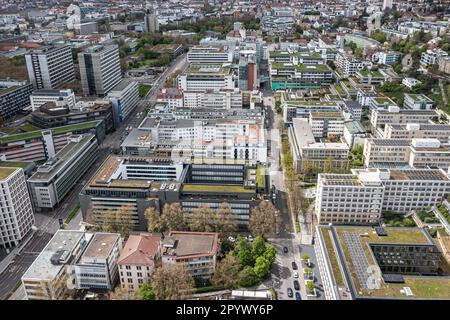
(265, 220)
(172, 282)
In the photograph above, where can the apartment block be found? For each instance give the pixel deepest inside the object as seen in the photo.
(53, 180)
(197, 251)
(50, 67)
(137, 260)
(14, 97)
(100, 69)
(348, 63)
(17, 216)
(97, 267)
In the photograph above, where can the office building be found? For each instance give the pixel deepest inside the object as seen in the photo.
(97, 267)
(395, 115)
(138, 259)
(17, 216)
(359, 198)
(44, 144)
(284, 76)
(417, 130)
(221, 99)
(210, 54)
(206, 77)
(172, 96)
(311, 155)
(50, 67)
(379, 263)
(40, 97)
(50, 274)
(327, 124)
(124, 98)
(14, 97)
(53, 180)
(197, 251)
(299, 108)
(417, 102)
(51, 114)
(354, 133)
(151, 23)
(100, 69)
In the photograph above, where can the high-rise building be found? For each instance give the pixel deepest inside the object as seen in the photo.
(14, 97)
(50, 67)
(151, 22)
(17, 216)
(99, 69)
(387, 4)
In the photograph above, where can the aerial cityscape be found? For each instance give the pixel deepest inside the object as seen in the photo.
(225, 150)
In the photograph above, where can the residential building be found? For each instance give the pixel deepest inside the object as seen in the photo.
(97, 267)
(14, 97)
(49, 275)
(348, 63)
(124, 98)
(444, 64)
(53, 180)
(399, 263)
(410, 82)
(50, 67)
(417, 102)
(151, 23)
(431, 57)
(369, 77)
(138, 259)
(197, 251)
(388, 58)
(17, 213)
(41, 97)
(100, 69)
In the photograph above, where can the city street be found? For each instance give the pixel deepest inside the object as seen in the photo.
(48, 223)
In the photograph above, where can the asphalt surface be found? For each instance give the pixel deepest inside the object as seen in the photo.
(48, 223)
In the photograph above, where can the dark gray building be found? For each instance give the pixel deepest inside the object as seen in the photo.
(14, 97)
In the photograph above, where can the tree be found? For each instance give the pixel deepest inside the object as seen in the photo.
(247, 277)
(305, 257)
(328, 164)
(359, 53)
(262, 267)
(201, 219)
(243, 252)
(225, 220)
(146, 292)
(227, 273)
(258, 247)
(174, 217)
(123, 294)
(310, 285)
(270, 253)
(265, 220)
(119, 220)
(154, 221)
(172, 282)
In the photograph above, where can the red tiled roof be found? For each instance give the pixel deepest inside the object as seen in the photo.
(140, 250)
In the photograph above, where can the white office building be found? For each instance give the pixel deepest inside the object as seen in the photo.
(40, 97)
(210, 54)
(206, 77)
(124, 98)
(17, 216)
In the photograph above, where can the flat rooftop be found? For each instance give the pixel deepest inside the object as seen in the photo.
(191, 244)
(6, 172)
(100, 245)
(418, 174)
(351, 250)
(63, 240)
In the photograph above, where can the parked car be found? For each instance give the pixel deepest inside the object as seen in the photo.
(285, 250)
(290, 292)
(297, 296)
(296, 285)
(295, 275)
(231, 239)
(294, 265)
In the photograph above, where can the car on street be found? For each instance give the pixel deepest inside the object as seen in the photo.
(285, 250)
(289, 292)
(297, 296)
(295, 275)
(294, 265)
(296, 285)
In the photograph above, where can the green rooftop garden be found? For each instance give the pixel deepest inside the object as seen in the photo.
(6, 172)
(14, 164)
(383, 100)
(215, 188)
(312, 68)
(260, 176)
(374, 73)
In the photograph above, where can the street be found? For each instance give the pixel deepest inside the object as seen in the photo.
(48, 223)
